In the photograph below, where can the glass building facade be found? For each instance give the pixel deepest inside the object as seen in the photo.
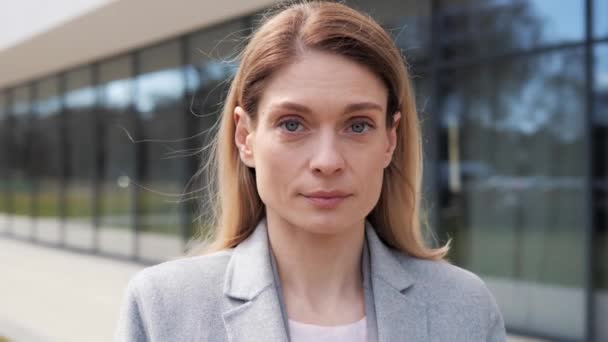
(513, 100)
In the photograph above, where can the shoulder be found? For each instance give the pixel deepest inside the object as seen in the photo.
(181, 279)
(457, 300)
(445, 284)
(444, 277)
(188, 290)
(186, 267)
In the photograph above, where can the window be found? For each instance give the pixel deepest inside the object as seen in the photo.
(600, 23)
(116, 156)
(408, 22)
(600, 134)
(21, 176)
(474, 28)
(80, 101)
(211, 66)
(5, 151)
(161, 114)
(45, 162)
(513, 184)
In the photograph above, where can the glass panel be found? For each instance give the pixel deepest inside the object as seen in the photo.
(45, 162)
(481, 27)
(210, 66)
(600, 18)
(513, 185)
(116, 155)
(159, 103)
(22, 152)
(4, 166)
(79, 109)
(408, 22)
(600, 133)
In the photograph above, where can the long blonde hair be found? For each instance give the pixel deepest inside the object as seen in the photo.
(236, 207)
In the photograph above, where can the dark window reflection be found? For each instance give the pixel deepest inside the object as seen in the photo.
(408, 22)
(211, 64)
(600, 130)
(21, 152)
(428, 123)
(115, 156)
(159, 103)
(4, 166)
(512, 181)
(479, 27)
(45, 161)
(80, 149)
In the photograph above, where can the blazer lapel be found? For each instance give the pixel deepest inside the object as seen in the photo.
(249, 280)
(257, 314)
(399, 315)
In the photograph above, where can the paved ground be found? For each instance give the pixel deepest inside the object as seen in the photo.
(51, 295)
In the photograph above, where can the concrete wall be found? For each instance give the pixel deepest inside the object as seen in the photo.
(118, 27)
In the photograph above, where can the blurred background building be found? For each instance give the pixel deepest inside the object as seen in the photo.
(103, 116)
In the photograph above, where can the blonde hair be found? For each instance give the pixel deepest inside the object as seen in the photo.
(336, 28)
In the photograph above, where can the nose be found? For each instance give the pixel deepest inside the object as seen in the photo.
(327, 158)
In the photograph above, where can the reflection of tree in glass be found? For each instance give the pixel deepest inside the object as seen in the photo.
(522, 119)
(478, 28)
(537, 95)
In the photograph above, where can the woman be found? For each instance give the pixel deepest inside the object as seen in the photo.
(317, 236)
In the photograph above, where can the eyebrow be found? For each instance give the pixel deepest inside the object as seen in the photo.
(352, 107)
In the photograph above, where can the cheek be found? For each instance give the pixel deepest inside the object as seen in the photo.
(368, 167)
(274, 167)
(373, 176)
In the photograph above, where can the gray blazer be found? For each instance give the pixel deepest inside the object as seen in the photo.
(234, 295)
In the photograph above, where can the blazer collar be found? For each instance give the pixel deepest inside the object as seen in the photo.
(257, 314)
(385, 264)
(249, 271)
(399, 314)
(250, 278)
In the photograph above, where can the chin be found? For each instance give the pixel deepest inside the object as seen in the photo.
(325, 223)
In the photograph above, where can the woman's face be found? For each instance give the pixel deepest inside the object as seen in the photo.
(319, 144)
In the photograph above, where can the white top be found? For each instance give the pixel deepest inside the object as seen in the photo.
(353, 332)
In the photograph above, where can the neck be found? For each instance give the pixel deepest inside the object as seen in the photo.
(320, 272)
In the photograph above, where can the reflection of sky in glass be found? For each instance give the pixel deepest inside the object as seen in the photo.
(158, 88)
(48, 106)
(601, 64)
(80, 98)
(117, 94)
(210, 72)
(601, 84)
(600, 18)
(497, 26)
(562, 20)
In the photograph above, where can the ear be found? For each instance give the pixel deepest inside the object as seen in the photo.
(392, 139)
(243, 134)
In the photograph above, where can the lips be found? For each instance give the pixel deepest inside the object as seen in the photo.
(327, 194)
(326, 199)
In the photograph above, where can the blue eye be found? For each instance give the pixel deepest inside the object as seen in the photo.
(359, 127)
(290, 125)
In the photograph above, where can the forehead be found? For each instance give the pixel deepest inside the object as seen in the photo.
(323, 81)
